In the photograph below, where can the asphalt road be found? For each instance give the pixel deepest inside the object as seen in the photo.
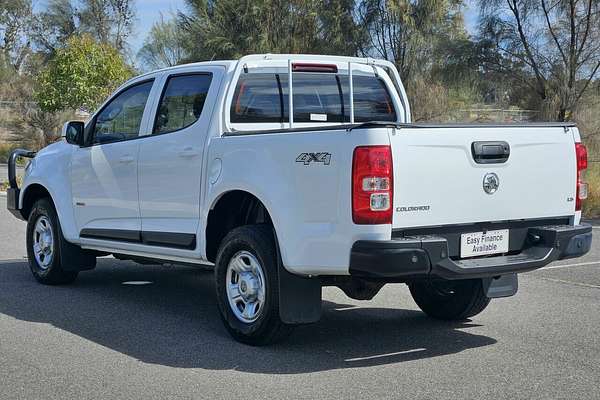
(4, 172)
(99, 338)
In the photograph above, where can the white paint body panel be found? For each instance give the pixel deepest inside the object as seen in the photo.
(51, 169)
(310, 205)
(104, 186)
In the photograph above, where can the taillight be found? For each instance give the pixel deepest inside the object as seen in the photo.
(372, 185)
(582, 186)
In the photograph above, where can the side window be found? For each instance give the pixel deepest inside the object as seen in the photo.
(121, 118)
(257, 99)
(372, 101)
(182, 102)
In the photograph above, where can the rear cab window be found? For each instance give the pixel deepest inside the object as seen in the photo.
(319, 98)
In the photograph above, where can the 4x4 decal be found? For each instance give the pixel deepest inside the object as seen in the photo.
(307, 158)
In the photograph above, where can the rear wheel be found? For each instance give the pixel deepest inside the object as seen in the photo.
(44, 238)
(247, 284)
(450, 300)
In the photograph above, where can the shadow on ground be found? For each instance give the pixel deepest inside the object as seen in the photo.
(175, 322)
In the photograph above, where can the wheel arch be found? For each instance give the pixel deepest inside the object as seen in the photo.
(31, 194)
(37, 189)
(229, 210)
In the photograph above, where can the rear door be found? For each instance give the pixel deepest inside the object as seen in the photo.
(439, 179)
(172, 157)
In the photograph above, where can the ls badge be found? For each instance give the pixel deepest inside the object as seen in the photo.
(307, 158)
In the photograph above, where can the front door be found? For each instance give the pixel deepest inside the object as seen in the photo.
(104, 172)
(171, 159)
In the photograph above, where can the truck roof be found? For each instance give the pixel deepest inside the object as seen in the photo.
(268, 58)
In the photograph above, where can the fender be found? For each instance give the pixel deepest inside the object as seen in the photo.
(57, 158)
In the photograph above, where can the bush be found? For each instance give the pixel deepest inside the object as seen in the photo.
(591, 206)
(5, 150)
(428, 101)
(80, 75)
(588, 123)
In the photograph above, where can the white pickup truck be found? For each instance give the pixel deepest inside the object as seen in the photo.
(293, 172)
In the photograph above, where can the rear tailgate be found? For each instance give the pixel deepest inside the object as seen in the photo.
(438, 182)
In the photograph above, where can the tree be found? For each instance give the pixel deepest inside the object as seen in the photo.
(230, 28)
(81, 75)
(107, 21)
(428, 43)
(408, 32)
(555, 45)
(55, 25)
(164, 45)
(15, 17)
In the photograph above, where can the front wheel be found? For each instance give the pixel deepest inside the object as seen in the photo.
(43, 246)
(450, 300)
(247, 284)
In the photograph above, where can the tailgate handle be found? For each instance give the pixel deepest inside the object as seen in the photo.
(490, 152)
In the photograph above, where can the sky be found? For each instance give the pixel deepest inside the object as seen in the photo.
(148, 12)
(471, 16)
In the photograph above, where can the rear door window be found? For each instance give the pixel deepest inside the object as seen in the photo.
(318, 97)
(182, 102)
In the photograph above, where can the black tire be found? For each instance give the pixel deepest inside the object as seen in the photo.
(268, 328)
(450, 300)
(53, 273)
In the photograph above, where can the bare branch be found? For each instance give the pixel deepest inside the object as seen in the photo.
(549, 24)
(587, 83)
(513, 6)
(587, 29)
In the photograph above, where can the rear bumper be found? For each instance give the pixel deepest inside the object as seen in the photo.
(417, 257)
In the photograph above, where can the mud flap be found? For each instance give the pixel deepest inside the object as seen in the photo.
(299, 296)
(74, 258)
(503, 286)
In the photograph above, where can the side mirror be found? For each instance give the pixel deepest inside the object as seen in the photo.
(73, 132)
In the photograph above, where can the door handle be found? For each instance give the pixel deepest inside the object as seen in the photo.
(188, 152)
(126, 159)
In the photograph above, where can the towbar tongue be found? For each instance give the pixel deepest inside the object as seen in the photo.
(502, 286)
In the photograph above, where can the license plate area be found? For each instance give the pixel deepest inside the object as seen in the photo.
(476, 244)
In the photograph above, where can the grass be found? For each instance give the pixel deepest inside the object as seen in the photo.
(591, 206)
